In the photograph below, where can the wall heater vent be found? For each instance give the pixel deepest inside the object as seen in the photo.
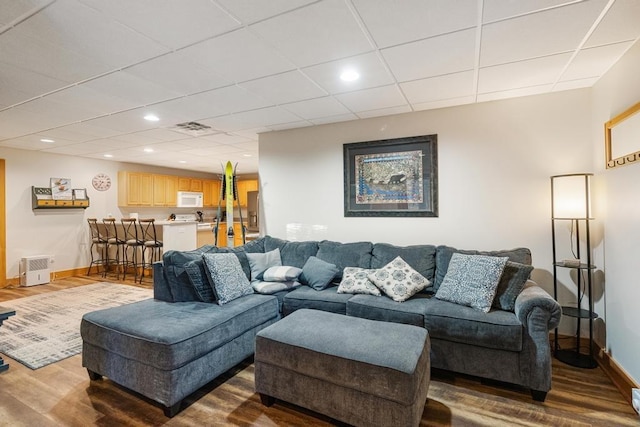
(34, 270)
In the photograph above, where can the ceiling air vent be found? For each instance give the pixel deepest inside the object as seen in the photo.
(193, 129)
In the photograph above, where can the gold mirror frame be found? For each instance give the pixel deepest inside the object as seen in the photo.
(625, 159)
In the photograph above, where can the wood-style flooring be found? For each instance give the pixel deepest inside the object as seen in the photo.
(62, 395)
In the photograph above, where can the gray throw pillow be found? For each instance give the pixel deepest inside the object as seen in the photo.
(283, 273)
(198, 277)
(317, 273)
(259, 262)
(398, 280)
(269, 288)
(355, 280)
(472, 280)
(514, 276)
(227, 277)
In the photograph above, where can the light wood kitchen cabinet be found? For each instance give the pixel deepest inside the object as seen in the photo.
(195, 185)
(211, 191)
(165, 190)
(172, 191)
(244, 186)
(189, 184)
(135, 188)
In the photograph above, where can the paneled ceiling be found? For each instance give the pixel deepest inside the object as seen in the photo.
(85, 73)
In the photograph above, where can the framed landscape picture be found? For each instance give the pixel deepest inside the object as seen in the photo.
(391, 177)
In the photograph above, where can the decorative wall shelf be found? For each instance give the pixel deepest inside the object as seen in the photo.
(41, 198)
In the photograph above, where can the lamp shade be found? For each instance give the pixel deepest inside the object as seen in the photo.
(571, 196)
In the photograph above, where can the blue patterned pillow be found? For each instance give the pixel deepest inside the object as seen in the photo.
(355, 280)
(227, 277)
(398, 280)
(472, 280)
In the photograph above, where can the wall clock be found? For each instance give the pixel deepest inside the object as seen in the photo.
(101, 182)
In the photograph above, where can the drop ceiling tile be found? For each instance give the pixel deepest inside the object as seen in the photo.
(249, 11)
(446, 54)
(176, 72)
(113, 144)
(225, 138)
(594, 62)
(494, 10)
(74, 150)
(392, 23)
(124, 122)
(135, 90)
(283, 88)
(170, 146)
(575, 84)
(81, 132)
(92, 34)
(539, 34)
(237, 56)
(523, 74)
(372, 70)
(12, 11)
(57, 113)
(323, 31)
(160, 134)
(207, 151)
(438, 88)
(444, 103)
(173, 23)
(19, 84)
(316, 108)
(135, 138)
(514, 93)
(334, 119)
(292, 125)
(372, 99)
(54, 61)
(31, 142)
(263, 117)
(18, 121)
(384, 112)
(92, 101)
(619, 24)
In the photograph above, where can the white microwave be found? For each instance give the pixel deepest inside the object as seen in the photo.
(189, 199)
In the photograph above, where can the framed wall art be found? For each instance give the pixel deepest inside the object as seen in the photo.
(391, 177)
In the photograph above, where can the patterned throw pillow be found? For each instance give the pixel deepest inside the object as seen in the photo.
(472, 280)
(282, 273)
(227, 277)
(398, 280)
(355, 280)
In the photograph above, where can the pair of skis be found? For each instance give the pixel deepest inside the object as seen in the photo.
(229, 193)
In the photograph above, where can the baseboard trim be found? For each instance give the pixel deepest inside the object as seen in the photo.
(623, 382)
(61, 274)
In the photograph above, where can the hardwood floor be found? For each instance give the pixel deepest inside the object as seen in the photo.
(62, 395)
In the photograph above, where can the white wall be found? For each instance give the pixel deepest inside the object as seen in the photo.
(494, 161)
(618, 90)
(62, 233)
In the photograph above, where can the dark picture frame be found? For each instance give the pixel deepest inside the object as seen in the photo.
(391, 177)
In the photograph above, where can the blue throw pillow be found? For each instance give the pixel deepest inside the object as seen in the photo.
(227, 277)
(514, 276)
(317, 273)
(259, 263)
(198, 277)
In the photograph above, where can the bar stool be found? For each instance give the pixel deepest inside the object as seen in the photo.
(114, 240)
(98, 245)
(150, 243)
(132, 245)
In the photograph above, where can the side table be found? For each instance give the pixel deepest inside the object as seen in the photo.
(4, 315)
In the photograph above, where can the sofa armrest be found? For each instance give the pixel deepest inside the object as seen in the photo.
(536, 309)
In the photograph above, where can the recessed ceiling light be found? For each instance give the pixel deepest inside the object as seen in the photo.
(108, 156)
(349, 75)
(182, 161)
(148, 150)
(47, 140)
(151, 117)
(247, 155)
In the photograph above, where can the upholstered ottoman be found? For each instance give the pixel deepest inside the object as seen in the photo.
(167, 350)
(359, 371)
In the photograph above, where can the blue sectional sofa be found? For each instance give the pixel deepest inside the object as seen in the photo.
(193, 339)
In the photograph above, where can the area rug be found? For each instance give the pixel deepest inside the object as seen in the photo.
(46, 327)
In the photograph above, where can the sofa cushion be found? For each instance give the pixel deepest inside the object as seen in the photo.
(497, 329)
(514, 276)
(291, 253)
(444, 253)
(355, 280)
(398, 280)
(305, 297)
(317, 273)
(260, 262)
(197, 274)
(169, 335)
(410, 312)
(227, 278)
(422, 258)
(173, 263)
(343, 255)
(472, 280)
